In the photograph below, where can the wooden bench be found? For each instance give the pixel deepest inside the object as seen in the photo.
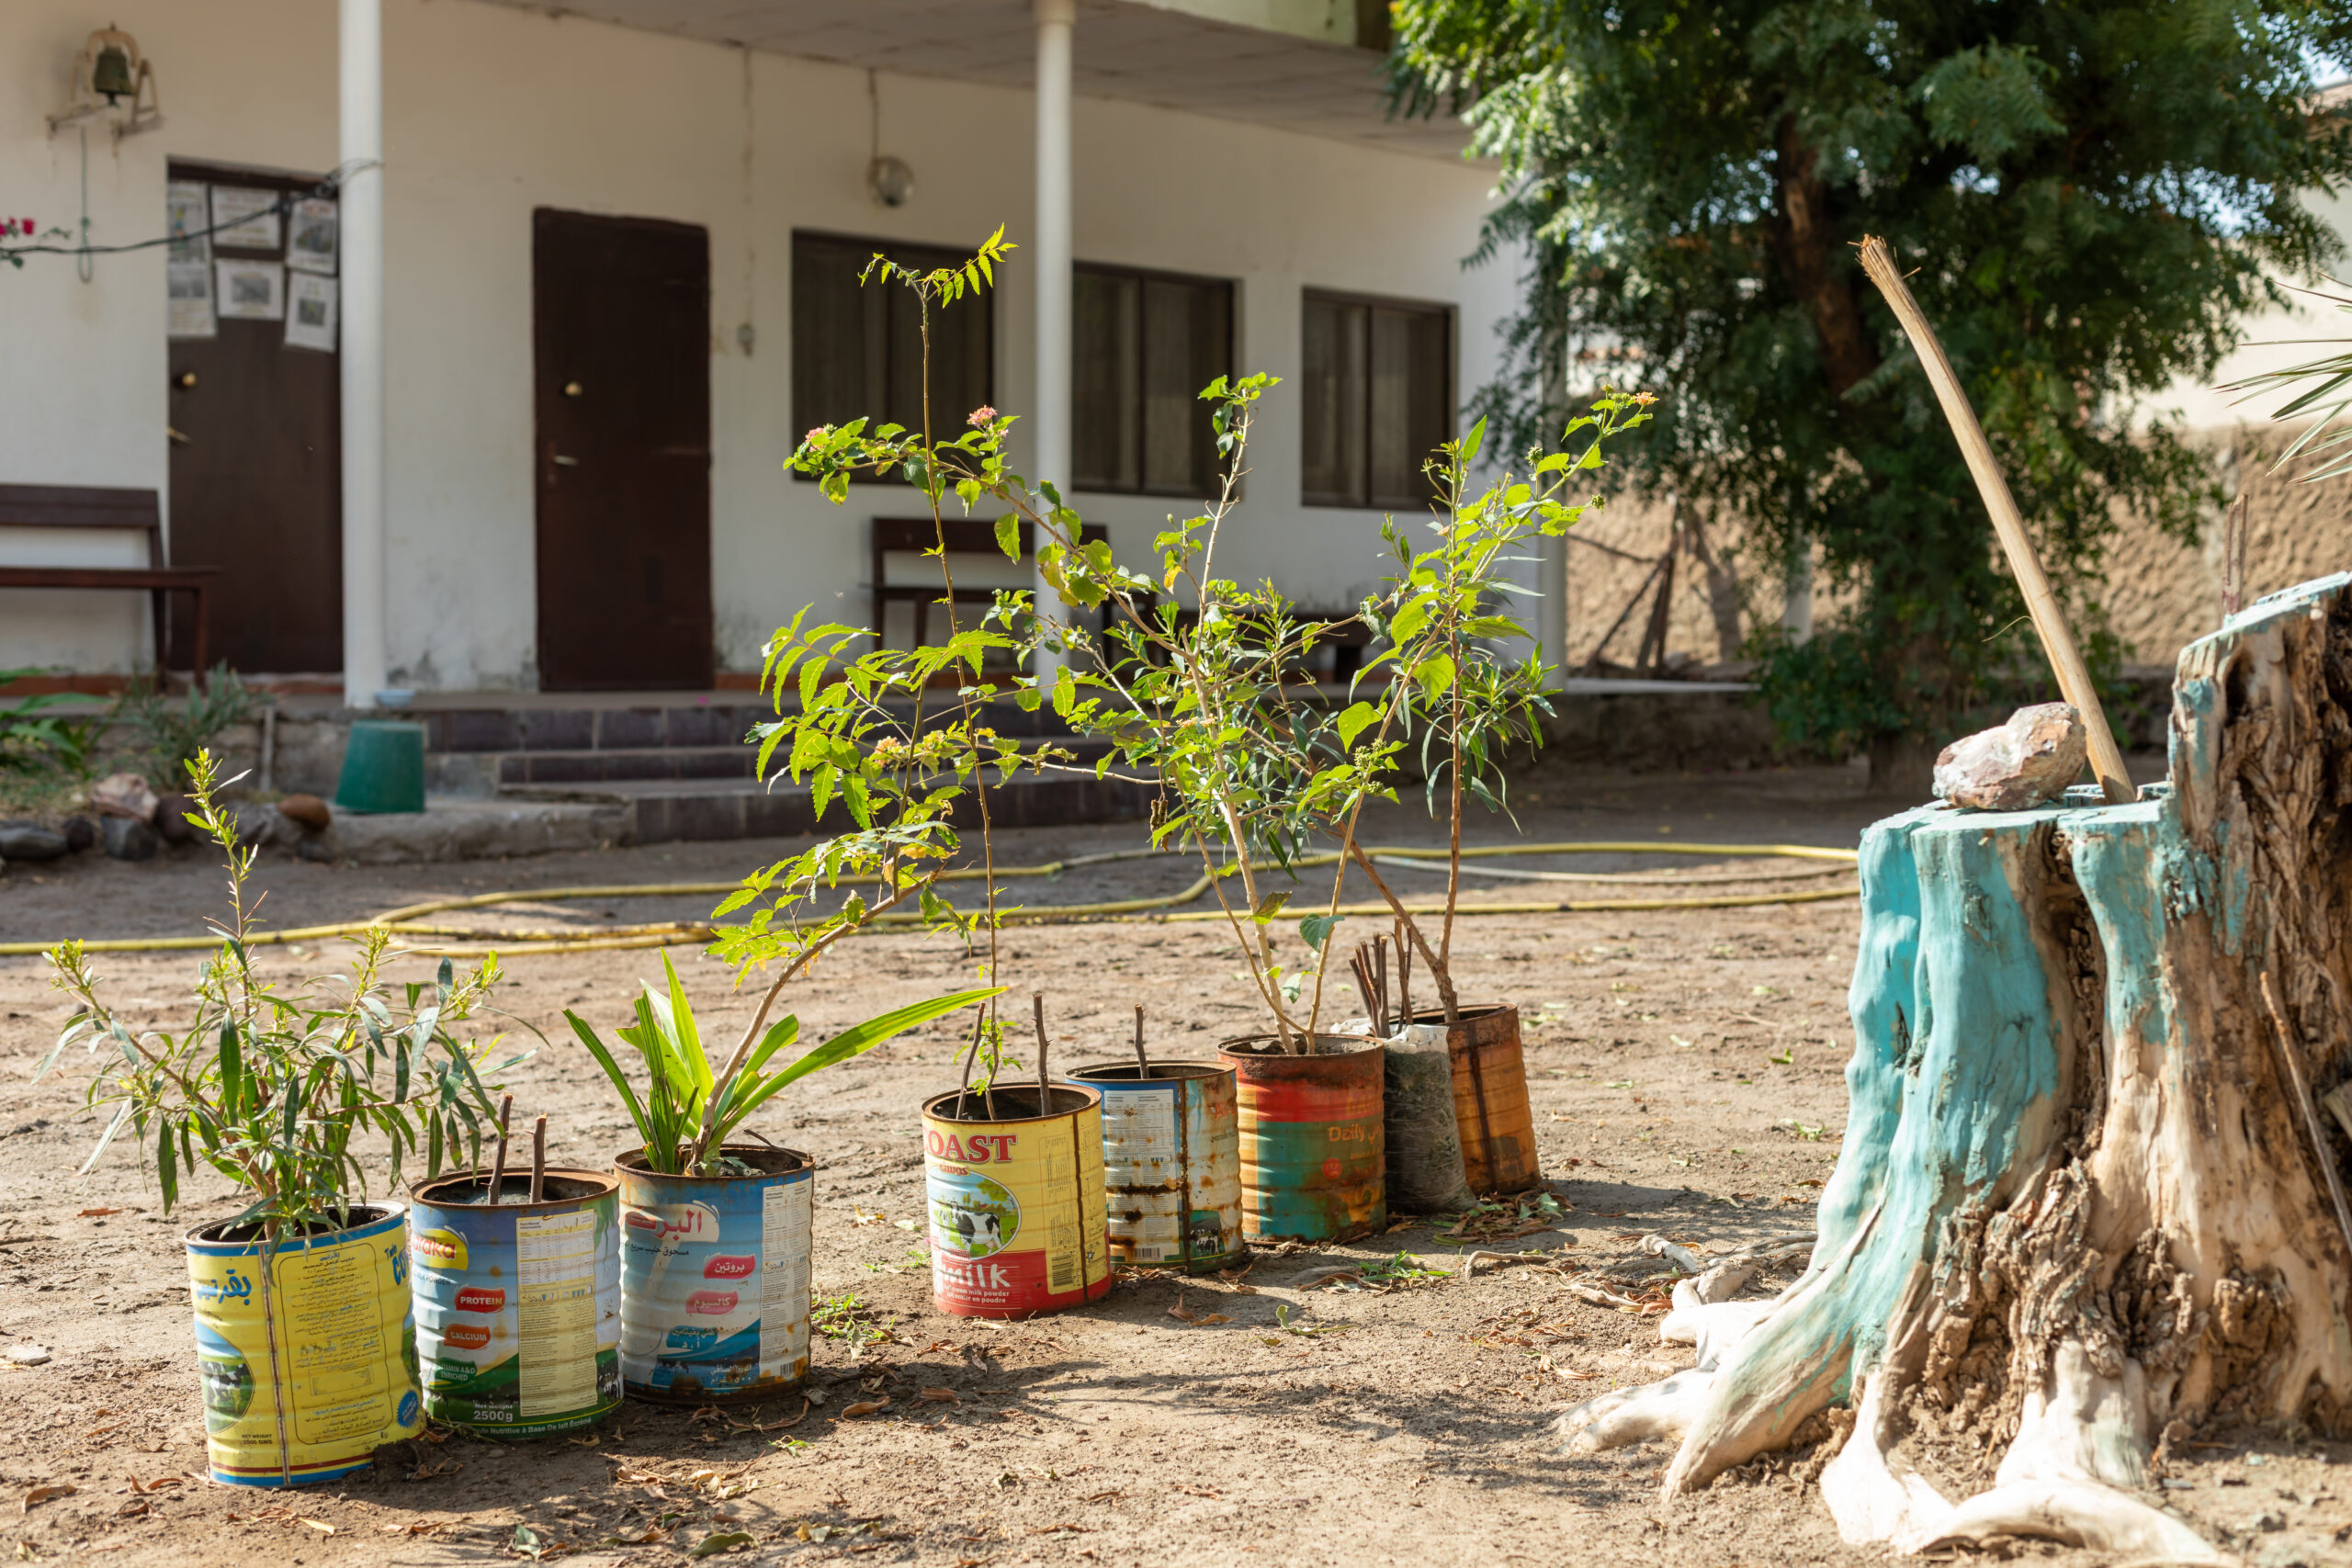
(967, 537)
(85, 506)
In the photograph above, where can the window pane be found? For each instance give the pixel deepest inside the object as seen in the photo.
(836, 346)
(1431, 421)
(1333, 459)
(857, 349)
(1105, 375)
(1187, 343)
(1411, 401)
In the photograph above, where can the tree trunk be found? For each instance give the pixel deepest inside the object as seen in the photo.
(2082, 1210)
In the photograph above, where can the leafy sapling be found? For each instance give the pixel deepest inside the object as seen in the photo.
(272, 1088)
(1443, 621)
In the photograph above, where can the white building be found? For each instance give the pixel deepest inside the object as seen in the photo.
(592, 216)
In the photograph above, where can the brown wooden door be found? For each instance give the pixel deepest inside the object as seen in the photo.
(622, 323)
(256, 476)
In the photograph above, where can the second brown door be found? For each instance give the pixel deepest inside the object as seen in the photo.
(621, 326)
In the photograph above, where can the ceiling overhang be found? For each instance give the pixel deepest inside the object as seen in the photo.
(1288, 65)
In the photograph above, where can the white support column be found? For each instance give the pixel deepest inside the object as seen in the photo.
(1051, 417)
(361, 89)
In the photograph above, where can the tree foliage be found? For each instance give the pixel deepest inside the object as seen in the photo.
(2094, 194)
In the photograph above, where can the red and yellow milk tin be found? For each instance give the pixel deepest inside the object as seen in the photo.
(1017, 1208)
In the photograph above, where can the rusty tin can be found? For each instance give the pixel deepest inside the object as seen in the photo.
(338, 1343)
(1172, 1162)
(519, 1304)
(1314, 1157)
(1017, 1212)
(1491, 1104)
(715, 1278)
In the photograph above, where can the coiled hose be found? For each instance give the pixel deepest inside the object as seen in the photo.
(408, 921)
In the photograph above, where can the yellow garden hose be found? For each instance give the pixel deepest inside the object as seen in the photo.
(406, 922)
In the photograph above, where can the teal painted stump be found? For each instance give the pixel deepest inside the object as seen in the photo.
(2084, 1208)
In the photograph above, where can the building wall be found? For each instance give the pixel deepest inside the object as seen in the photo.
(492, 112)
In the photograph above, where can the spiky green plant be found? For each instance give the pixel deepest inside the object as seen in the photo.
(688, 1111)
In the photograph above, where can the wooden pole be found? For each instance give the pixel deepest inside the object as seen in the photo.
(498, 1166)
(2048, 618)
(540, 1160)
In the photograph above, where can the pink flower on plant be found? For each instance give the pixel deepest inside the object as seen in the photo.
(981, 416)
(816, 434)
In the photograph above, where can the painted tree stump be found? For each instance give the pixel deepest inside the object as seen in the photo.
(2081, 1212)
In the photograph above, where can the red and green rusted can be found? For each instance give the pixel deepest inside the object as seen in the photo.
(1314, 1163)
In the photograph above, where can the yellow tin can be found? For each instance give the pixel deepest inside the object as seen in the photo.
(344, 1343)
(1018, 1222)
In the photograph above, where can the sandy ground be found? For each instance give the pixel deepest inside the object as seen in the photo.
(1685, 1069)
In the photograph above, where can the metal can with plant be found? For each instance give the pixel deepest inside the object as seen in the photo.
(304, 1332)
(715, 1232)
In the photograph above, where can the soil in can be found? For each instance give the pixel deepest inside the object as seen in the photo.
(519, 1304)
(1172, 1162)
(1313, 1153)
(1490, 1103)
(345, 1340)
(1017, 1210)
(715, 1278)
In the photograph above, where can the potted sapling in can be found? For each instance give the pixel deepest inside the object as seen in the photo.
(305, 1342)
(1171, 1160)
(1014, 1174)
(714, 1233)
(517, 1286)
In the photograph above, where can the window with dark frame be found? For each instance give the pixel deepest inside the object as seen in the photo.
(857, 349)
(1143, 343)
(1378, 397)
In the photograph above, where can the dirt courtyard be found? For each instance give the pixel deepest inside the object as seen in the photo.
(1686, 1072)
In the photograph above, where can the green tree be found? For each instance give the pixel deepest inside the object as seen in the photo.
(2095, 194)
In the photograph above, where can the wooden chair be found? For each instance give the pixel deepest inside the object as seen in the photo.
(86, 506)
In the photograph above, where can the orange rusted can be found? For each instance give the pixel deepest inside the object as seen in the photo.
(1490, 1103)
(1313, 1158)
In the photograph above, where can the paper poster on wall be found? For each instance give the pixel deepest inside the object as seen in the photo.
(254, 214)
(187, 216)
(310, 312)
(188, 286)
(252, 291)
(310, 245)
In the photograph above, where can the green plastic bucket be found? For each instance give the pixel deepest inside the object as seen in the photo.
(383, 768)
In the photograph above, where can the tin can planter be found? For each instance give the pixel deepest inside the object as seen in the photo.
(1491, 1098)
(1313, 1155)
(340, 1348)
(1172, 1162)
(715, 1279)
(519, 1304)
(1018, 1222)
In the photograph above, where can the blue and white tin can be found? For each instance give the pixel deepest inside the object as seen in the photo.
(715, 1278)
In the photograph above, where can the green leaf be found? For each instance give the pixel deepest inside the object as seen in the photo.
(1435, 674)
(167, 1171)
(1008, 535)
(1269, 908)
(1352, 722)
(1317, 928)
(712, 1544)
(852, 1042)
(612, 1071)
